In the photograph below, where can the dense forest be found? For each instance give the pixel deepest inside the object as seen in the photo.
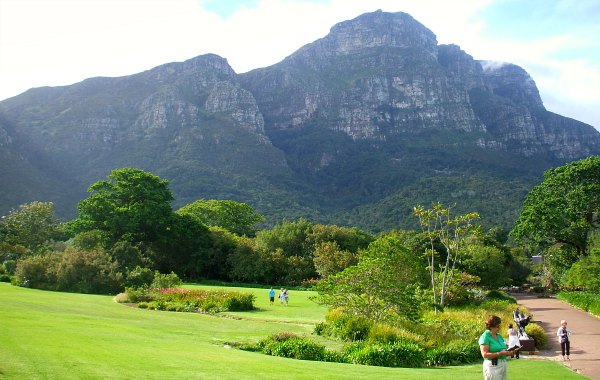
(126, 227)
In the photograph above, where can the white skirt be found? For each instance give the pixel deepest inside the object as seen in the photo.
(495, 372)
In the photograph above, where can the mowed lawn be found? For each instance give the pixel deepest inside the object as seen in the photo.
(50, 335)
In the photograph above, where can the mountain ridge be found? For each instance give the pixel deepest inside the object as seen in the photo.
(376, 112)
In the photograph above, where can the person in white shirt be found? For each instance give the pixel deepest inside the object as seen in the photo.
(564, 338)
(513, 338)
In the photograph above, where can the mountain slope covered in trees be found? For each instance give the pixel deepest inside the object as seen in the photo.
(354, 129)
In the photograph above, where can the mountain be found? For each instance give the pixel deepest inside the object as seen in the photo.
(354, 128)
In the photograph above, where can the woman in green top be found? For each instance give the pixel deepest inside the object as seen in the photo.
(493, 350)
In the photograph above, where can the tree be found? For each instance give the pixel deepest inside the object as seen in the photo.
(336, 248)
(564, 208)
(184, 247)
(131, 202)
(488, 263)
(348, 239)
(223, 245)
(439, 225)
(31, 226)
(247, 264)
(235, 217)
(287, 244)
(329, 258)
(385, 282)
(585, 274)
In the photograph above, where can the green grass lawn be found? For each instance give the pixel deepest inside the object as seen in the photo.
(50, 335)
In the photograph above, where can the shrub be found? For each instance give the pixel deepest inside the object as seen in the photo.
(4, 277)
(397, 354)
(296, 348)
(454, 353)
(282, 335)
(381, 333)
(320, 329)
(500, 295)
(537, 333)
(10, 266)
(139, 295)
(289, 345)
(166, 281)
(333, 315)
(176, 299)
(344, 326)
(584, 300)
(88, 272)
(37, 272)
(334, 357)
(139, 277)
(122, 298)
(237, 301)
(355, 328)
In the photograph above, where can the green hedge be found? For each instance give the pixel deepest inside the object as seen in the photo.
(586, 301)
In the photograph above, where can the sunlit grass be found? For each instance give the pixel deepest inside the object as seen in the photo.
(49, 335)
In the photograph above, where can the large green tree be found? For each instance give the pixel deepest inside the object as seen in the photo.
(564, 208)
(130, 202)
(235, 217)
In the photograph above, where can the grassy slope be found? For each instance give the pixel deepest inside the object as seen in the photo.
(48, 335)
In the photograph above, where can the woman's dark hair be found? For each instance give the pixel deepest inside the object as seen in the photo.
(492, 321)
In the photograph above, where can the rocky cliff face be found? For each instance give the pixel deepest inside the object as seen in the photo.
(383, 74)
(374, 108)
(370, 77)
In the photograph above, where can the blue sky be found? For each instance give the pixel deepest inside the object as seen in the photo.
(60, 42)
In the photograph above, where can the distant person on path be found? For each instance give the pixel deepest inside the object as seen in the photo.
(494, 350)
(271, 296)
(513, 338)
(286, 297)
(564, 338)
(281, 296)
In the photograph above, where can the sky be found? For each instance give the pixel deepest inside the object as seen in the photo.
(61, 42)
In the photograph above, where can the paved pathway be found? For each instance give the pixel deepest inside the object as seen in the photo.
(585, 341)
